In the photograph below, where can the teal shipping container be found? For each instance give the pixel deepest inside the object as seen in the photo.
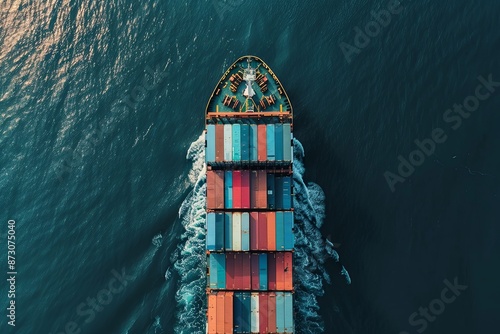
(271, 155)
(228, 231)
(287, 142)
(253, 142)
(228, 189)
(280, 231)
(278, 141)
(288, 227)
(211, 231)
(236, 142)
(210, 138)
(245, 231)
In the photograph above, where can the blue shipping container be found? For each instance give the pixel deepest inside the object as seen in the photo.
(287, 142)
(289, 313)
(236, 142)
(263, 271)
(271, 155)
(288, 227)
(278, 138)
(238, 312)
(245, 231)
(280, 231)
(228, 230)
(278, 197)
(253, 142)
(280, 312)
(228, 190)
(211, 231)
(219, 231)
(245, 142)
(271, 192)
(245, 312)
(287, 193)
(210, 151)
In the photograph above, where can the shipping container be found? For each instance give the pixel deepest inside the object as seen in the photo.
(287, 193)
(245, 142)
(230, 271)
(288, 227)
(271, 154)
(211, 204)
(254, 240)
(253, 142)
(228, 142)
(245, 231)
(287, 142)
(280, 231)
(219, 142)
(210, 138)
(228, 231)
(262, 191)
(220, 312)
(246, 312)
(280, 312)
(263, 312)
(254, 188)
(289, 323)
(262, 227)
(228, 312)
(219, 231)
(238, 318)
(255, 271)
(245, 189)
(247, 275)
(262, 142)
(278, 138)
(263, 271)
(271, 307)
(228, 189)
(212, 313)
(278, 186)
(271, 271)
(237, 189)
(271, 230)
(217, 270)
(237, 231)
(236, 142)
(254, 312)
(271, 192)
(238, 270)
(288, 271)
(219, 189)
(280, 271)
(211, 231)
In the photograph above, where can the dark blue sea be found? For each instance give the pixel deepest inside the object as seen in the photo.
(397, 160)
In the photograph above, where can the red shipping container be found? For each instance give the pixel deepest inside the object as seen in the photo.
(245, 189)
(261, 142)
(262, 192)
(219, 142)
(271, 312)
(254, 220)
(237, 189)
(212, 313)
(271, 271)
(263, 230)
(263, 312)
(254, 188)
(246, 274)
(211, 190)
(280, 273)
(238, 269)
(255, 271)
(271, 230)
(220, 312)
(228, 315)
(219, 189)
(288, 264)
(230, 271)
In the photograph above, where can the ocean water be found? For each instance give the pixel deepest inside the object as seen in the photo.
(101, 112)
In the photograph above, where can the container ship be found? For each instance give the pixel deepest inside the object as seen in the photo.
(249, 202)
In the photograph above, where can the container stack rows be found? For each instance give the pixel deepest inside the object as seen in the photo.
(249, 228)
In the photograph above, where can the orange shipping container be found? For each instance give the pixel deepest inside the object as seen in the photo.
(288, 271)
(219, 189)
(220, 312)
(262, 191)
(212, 313)
(261, 142)
(271, 230)
(271, 312)
(263, 230)
(228, 312)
